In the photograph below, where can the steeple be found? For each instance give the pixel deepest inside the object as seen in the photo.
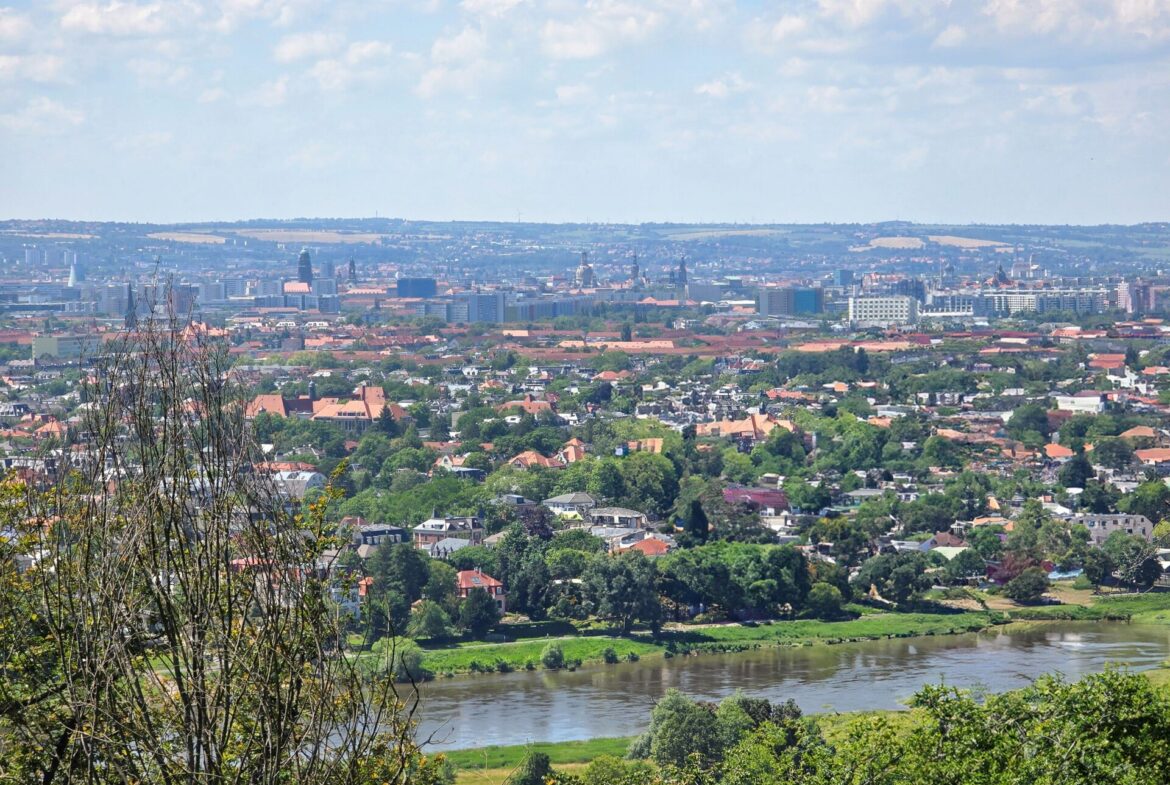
(131, 319)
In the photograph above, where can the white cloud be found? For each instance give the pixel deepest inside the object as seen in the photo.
(300, 46)
(211, 95)
(468, 44)
(786, 27)
(269, 95)
(13, 26)
(361, 61)
(489, 7)
(158, 73)
(573, 93)
(724, 86)
(42, 116)
(604, 25)
(117, 18)
(31, 68)
(952, 35)
(458, 63)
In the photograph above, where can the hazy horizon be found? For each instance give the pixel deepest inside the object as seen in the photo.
(608, 111)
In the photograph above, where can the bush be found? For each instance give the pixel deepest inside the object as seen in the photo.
(552, 657)
(1027, 587)
(609, 655)
(401, 660)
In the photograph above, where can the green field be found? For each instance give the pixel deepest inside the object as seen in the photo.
(682, 640)
(497, 757)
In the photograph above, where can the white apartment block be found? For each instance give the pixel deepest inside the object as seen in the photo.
(883, 311)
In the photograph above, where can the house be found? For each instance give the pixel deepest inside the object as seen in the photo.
(467, 580)
(769, 501)
(531, 458)
(748, 432)
(617, 517)
(570, 502)
(444, 548)
(651, 547)
(1100, 526)
(434, 530)
(297, 484)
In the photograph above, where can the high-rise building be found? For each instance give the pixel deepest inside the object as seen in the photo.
(789, 301)
(417, 287)
(883, 311)
(305, 267)
(843, 279)
(327, 269)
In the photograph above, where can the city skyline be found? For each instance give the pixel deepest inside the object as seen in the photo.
(840, 111)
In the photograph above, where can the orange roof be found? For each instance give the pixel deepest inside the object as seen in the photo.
(476, 579)
(273, 404)
(651, 546)
(1153, 455)
(1056, 451)
(1139, 432)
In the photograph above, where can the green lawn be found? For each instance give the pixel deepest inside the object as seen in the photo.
(469, 657)
(497, 757)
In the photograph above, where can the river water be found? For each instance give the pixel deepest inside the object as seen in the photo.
(615, 700)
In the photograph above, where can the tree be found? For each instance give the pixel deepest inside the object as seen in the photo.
(966, 564)
(1151, 499)
(478, 613)
(167, 633)
(680, 728)
(623, 589)
(898, 577)
(429, 620)
(696, 523)
(825, 601)
(1028, 587)
(533, 770)
(1098, 567)
(1076, 472)
(1113, 453)
(1029, 418)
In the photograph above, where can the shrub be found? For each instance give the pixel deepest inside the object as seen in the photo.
(552, 657)
(609, 655)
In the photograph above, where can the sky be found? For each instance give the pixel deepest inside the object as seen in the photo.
(958, 111)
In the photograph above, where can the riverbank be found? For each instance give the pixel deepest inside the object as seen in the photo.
(681, 640)
(591, 647)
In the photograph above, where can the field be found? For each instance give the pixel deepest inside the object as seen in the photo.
(310, 236)
(963, 242)
(681, 640)
(904, 243)
(188, 237)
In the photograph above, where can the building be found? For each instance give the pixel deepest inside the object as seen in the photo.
(617, 517)
(789, 301)
(1100, 526)
(305, 268)
(571, 502)
(417, 287)
(584, 275)
(433, 530)
(65, 347)
(467, 581)
(883, 311)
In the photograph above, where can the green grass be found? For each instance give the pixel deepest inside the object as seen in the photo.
(499, 757)
(1142, 608)
(589, 648)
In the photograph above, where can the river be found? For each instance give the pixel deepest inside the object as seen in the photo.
(615, 700)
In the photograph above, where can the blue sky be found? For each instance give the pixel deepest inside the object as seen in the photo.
(1047, 111)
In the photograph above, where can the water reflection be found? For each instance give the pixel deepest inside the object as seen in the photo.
(615, 700)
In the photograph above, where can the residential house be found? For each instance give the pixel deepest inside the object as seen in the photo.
(579, 503)
(617, 517)
(468, 580)
(1100, 526)
(433, 530)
